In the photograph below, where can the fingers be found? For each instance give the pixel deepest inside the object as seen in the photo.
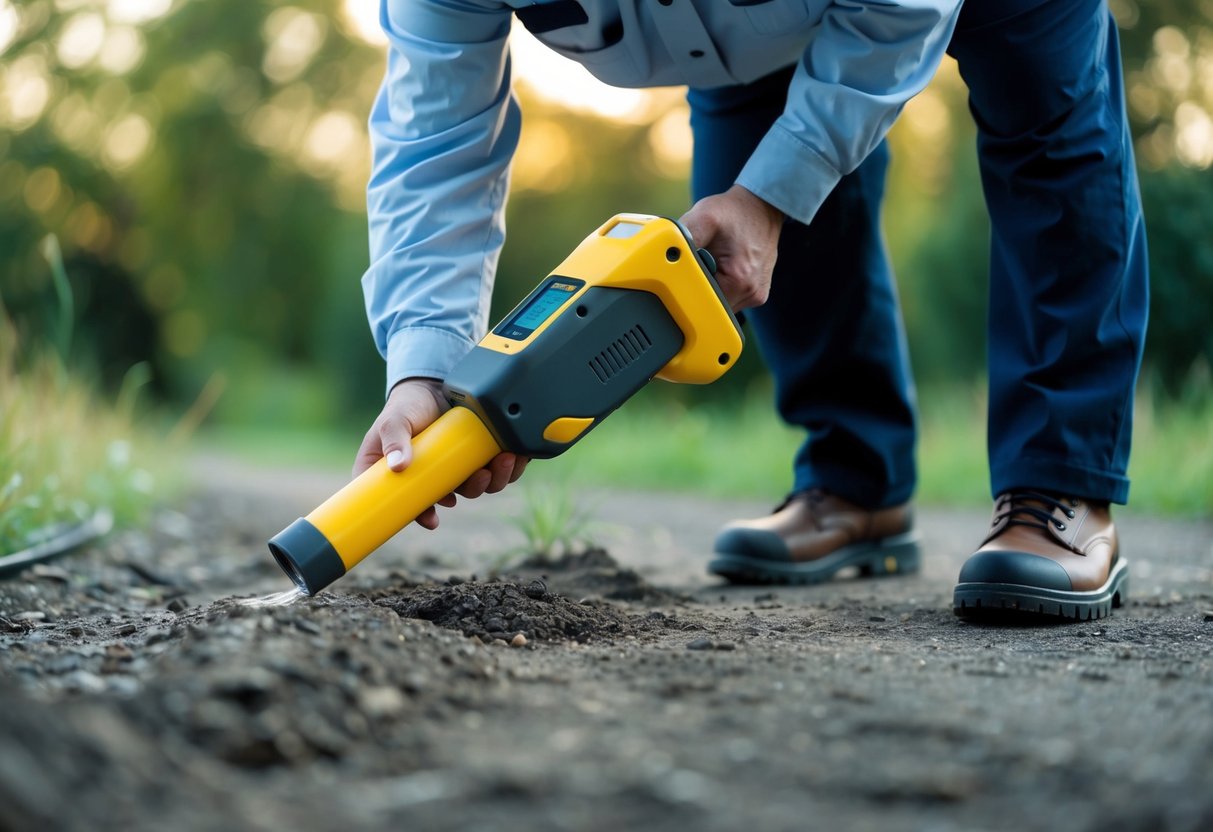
(519, 466)
(504, 469)
(428, 519)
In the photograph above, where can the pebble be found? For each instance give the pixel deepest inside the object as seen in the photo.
(536, 589)
(518, 640)
(177, 605)
(708, 644)
(84, 681)
(127, 630)
(50, 573)
(381, 701)
(307, 626)
(1208, 615)
(29, 615)
(877, 618)
(158, 635)
(120, 652)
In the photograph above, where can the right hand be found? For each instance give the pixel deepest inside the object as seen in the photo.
(411, 407)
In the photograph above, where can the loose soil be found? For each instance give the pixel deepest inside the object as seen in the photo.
(139, 688)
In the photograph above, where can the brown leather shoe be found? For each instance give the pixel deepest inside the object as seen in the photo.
(1045, 555)
(811, 537)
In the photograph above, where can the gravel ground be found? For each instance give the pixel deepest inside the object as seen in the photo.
(148, 683)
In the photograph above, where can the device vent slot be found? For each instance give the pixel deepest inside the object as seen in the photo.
(620, 353)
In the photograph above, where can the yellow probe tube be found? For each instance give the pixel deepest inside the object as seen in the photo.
(362, 516)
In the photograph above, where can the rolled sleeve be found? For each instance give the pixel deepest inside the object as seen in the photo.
(863, 62)
(443, 130)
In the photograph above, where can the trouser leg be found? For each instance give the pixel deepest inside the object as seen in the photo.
(1068, 273)
(831, 331)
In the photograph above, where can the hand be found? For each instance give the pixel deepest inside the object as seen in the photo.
(411, 407)
(742, 232)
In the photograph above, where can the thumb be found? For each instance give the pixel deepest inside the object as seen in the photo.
(396, 437)
(702, 221)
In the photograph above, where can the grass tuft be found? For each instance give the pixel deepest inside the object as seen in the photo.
(65, 453)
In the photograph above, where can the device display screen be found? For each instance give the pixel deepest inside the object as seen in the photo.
(539, 308)
(624, 229)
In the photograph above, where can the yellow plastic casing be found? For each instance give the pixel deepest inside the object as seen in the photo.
(368, 511)
(654, 256)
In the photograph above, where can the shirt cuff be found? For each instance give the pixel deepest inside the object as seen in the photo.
(423, 352)
(788, 174)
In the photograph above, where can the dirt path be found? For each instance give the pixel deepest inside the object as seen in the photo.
(136, 693)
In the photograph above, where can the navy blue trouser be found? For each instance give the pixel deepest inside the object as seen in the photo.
(1068, 290)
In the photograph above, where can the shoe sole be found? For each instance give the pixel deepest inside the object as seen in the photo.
(897, 555)
(990, 600)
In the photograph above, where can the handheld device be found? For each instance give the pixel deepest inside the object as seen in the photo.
(635, 300)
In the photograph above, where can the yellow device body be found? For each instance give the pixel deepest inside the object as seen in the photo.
(635, 300)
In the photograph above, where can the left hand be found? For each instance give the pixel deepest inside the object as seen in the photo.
(742, 233)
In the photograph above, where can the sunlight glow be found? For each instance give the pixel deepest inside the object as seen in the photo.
(137, 11)
(1193, 135)
(10, 23)
(26, 91)
(81, 39)
(294, 36)
(563, 81)
(549, 75)
(361, 19)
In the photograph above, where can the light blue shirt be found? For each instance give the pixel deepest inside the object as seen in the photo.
(445, 125)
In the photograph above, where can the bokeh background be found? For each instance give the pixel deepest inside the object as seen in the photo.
(202, 165)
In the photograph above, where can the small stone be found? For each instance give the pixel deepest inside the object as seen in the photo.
(455, 580)
(30, 615)
(158, 635)
(127, 630)
(44, 572)
(307, 626)
(1208, 615)
(699, 644)
(519, 640)
(177, 605)
(877, 618)
(536, 589)
(119, 652)
(84, 681)
(381, 701)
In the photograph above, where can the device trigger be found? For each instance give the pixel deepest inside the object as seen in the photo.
(709, 261)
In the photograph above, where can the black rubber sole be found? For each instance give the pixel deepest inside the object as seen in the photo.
(892, 556)
(990, 600)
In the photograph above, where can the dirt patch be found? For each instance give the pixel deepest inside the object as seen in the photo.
(595, 574)
(544, 600)
(129, 700)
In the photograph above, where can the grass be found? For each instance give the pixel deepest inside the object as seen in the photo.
(741, 449)
(65, 452)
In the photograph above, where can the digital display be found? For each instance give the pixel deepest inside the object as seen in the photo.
(624, 229)
(538, 309)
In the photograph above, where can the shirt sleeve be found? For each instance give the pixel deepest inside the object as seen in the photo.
(865, 60)
(443, 129)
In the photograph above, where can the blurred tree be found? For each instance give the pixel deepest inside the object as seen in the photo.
(204, 163)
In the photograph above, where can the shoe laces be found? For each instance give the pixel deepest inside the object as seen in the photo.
(814, 496)
(1022, 513)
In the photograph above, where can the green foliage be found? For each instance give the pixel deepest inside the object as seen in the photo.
(65, 454)
(1179, 212)
(204, 165)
